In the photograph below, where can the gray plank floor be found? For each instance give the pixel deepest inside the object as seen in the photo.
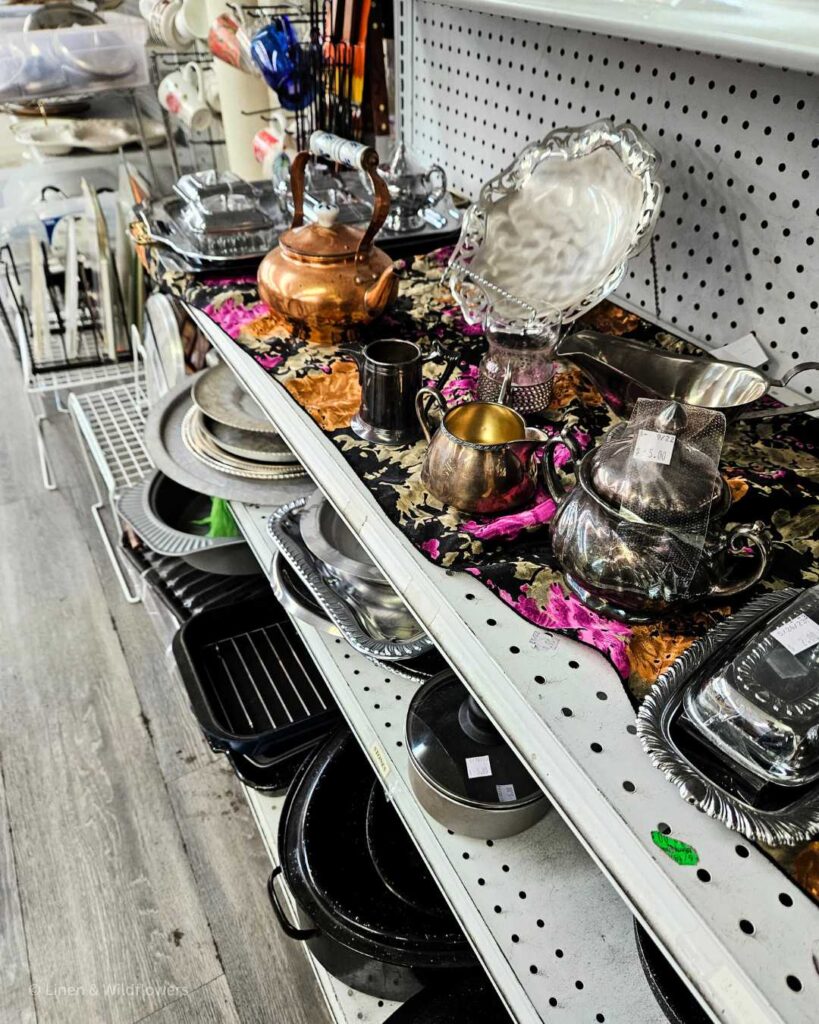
(131, 876)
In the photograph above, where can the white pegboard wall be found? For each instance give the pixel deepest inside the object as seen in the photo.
(735, 243)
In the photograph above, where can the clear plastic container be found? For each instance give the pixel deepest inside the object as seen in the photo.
(761, 709)
(71, 61)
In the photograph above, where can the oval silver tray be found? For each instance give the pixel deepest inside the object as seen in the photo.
(794, 823)
(336, 609)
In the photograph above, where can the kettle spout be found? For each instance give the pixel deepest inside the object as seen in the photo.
(379, 295)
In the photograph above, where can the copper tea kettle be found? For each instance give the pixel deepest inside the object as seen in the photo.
(326, 280)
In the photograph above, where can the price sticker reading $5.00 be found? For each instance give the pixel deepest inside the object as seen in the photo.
(654, 446)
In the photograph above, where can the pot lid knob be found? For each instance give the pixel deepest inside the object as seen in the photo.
(326, 216)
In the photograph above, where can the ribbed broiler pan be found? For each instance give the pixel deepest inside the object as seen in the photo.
(252, 684)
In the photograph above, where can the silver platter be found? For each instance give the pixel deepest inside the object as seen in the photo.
(222, 398)
(791, 824)
(550, 236)
(249, 444)
(201, 444)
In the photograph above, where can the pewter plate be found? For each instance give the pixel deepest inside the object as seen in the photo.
(550, 236)
(791, 824)
(222, 398)
(249, 444)
(330, 540)
(198, 441)
(163, 439)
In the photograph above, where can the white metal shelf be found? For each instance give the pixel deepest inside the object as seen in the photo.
(781, 32)
(566, 714)
(526, 902)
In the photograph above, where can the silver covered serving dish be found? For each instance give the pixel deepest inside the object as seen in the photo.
(734, 722)
(550, 236)
(344, 583)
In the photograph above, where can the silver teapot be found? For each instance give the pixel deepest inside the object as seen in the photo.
(412, 189)
(620, 537)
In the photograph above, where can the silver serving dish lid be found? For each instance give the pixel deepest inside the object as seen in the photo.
(550, 236)
(330, 540)
(761, 708)
(203, 184)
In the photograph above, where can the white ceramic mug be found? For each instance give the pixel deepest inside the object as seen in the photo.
(212, 90)
(182, 93)
(192, 19)
(269, 143)
(163, 23)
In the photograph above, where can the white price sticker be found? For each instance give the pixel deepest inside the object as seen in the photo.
(543, 641)
(799, 634)
(478, 767)
(506, 793)
(652, 446)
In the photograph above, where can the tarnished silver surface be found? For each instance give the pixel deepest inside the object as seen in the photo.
(411, 189)
(550, 236)
(621, 566)
(624, 370)
(793, 824)
(332, 603)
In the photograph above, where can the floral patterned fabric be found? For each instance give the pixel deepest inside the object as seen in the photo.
(771, 466)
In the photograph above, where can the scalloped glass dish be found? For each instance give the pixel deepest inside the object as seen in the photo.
(550, 236)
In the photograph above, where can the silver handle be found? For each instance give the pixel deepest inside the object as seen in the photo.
(553, 482)
(756, 536)
(422, 409)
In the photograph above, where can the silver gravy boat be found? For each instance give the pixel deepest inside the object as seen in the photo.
(624, 370)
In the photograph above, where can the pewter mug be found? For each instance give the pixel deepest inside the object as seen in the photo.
(618, 566)
(482, 456)
(390, 373)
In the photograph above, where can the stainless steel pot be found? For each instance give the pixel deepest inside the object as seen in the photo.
(462, 771)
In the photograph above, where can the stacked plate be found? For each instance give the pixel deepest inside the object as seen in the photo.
(227, 431)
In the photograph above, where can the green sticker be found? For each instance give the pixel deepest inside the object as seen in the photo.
(678, 851)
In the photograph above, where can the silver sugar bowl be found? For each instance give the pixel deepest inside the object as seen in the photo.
(622, 537)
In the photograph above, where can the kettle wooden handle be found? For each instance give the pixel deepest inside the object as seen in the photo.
(351, 154)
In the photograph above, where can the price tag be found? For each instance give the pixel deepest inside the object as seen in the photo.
(677, 850)
(478, 767)
(799, 634)
(506, 793)
(652, 446)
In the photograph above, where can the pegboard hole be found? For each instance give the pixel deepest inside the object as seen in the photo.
(628, 786)
(567, 712)
(540, 679)
(491, 622)
(664, 828)
(746, 926)
(742, 851)
(785, 899)
(540, 923)
(602, 695)
(498, 908)
(515, 938)
(559, 953)
(514, 650)
(481, 881)
(574, 664)
(532, 968)
(703, 875)
(578, 984)
(596, 747)
(631, 730)
(552, 1001)
(599, 1018)
(794, 984)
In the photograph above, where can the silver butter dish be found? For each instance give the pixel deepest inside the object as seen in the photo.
(762, 707)
(734, 722)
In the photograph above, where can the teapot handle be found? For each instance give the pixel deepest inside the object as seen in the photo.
(422, 410)
(553, 481)
(351, 154)
(436, 176)
(753, 535)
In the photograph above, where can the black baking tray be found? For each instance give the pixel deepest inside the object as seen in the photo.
(252, 684)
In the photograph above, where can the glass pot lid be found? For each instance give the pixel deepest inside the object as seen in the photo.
(761, 707)
(459, 752)
(663, 463)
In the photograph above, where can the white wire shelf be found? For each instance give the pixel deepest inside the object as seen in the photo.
(78, 377)
(526, 903)
(112, 422)
(566, 714)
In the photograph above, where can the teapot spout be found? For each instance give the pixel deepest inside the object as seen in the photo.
(379, 295)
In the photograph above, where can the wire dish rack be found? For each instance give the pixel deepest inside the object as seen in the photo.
(110, 424)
